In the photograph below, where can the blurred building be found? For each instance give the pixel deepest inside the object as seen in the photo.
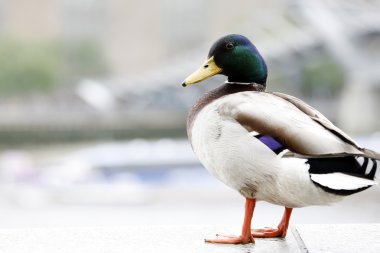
(134, 37)
(88, 68)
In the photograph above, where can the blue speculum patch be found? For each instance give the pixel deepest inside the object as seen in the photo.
(271, 143)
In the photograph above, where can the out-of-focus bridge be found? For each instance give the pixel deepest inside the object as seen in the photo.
(154, 104)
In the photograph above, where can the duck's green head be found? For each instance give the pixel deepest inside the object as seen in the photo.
(235, 57)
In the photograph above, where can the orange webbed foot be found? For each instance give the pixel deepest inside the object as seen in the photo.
(280, 231)
(230, 239)
(268, 232)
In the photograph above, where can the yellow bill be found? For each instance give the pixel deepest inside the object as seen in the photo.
(207, 70)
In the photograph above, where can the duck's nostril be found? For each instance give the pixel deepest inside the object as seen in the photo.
(205, 66)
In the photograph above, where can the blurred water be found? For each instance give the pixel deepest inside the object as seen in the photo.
(141, 182)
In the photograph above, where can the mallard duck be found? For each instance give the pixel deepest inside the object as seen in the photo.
(269, 146)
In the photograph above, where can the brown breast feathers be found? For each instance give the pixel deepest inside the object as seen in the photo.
(226, 89)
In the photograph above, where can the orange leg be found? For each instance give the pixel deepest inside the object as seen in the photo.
(280, 231)
(246, 236)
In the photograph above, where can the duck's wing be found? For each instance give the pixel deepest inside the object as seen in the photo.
(285, 123)
(317, 116)
(323, 121)
(297, 126)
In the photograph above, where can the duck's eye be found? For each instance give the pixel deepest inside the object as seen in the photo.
(229, 45)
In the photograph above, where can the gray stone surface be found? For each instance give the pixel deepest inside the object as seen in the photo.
(130, 239)
(301, 238)
(347, 238)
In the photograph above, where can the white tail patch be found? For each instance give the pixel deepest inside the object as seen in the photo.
(369, 166)
(340, 181)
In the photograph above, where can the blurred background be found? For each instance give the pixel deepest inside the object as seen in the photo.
(92, 126)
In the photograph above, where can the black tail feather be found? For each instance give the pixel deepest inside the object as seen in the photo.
(347, 165)
(364, 165)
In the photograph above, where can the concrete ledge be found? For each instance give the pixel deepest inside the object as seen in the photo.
(339, 238)
(301, 238)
